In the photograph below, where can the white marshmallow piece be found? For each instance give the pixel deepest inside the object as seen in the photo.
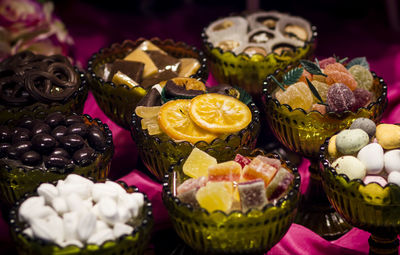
(81, 189)
(60, 205)
(392, 161)
(139, 197)
(86, 226)
(48, 191)
(42, 230)
(75, 202)
(100, 225)
(27, 205)
(372, 157)
(57, 224)
(70, 221)
(100, 190)
(77, 179)
(100, 237)
(118, 188)
(124, 214)
(394, 177)
(131, 202)
(28, 232)
(108, 210)
(122, 229)
(37, 212)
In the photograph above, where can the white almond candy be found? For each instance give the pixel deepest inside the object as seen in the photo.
(372, 157)
(350, 166)
(37, 212)
(100, 190)
(88, 203)
(70, 221)
(27, 205)
(95, 210)
(100, 225)
(108, 210)
(392, 161)
(116, 186)
(100, 237)
(57, 224)
(82, 190)
(59, 183)
(75, 202)
(77, 179)
(394, 177)
(132, 201)
(86, 226)
(122, 229)
(71, 242)
(48, 191)
(139, 197)
(60, 205)
(124, 214)
(28, 232)
(42, 230)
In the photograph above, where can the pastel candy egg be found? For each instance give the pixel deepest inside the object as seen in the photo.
(388, 136)
(392, 161)
(350, 141)
(350, 166)
(375, 178)
(332, 150)
(394, 177)
(365, 124)
(372, 157)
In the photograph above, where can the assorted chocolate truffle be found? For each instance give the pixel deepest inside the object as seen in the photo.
(148, 65)
(259, 33)
(59, 142)
(26, 78)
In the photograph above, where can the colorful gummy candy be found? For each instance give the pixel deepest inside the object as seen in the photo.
(240, 184)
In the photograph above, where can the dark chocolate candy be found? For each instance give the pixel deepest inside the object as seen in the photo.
(84, 156)
(31, 158)
(59, 132)
(4, 149)
(158, 77)
(132, 69)
(56, 161)
(41, 127)
(55, 119)
(78, 128)
(21, 134)
(224, 89)
(163, 61)
(72, 142)
(173, 90)
(152, 98)
(26, 122)
(96, 139)
(5, 134)
(60, 152)
(43, 142)
(73, 119)
(18, 148)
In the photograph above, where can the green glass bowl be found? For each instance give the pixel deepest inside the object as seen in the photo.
(370, 207)
(10, 115)
(250, 72)
(255, 231)
(17, 181)
(159, 152)
(304, 132)
(119, 101)
(134, 244)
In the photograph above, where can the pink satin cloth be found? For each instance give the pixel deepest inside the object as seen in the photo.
(93, 29)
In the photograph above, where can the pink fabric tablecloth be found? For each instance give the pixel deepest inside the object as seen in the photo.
(93, 29)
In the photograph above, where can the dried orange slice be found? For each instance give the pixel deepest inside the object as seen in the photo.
(219, 113)
(175, 121)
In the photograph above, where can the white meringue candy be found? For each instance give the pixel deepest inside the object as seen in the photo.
(77, 179)
(100, 190)
(60, 205)
(24, 209)
(122, 229)
(116, 186)
(70, 221)
(56, 223)
(124, 214)
(43, 230)
(75, 202)
(101, 236)
(83, 190)
(37, 212)
(100, 225)
(108, 210)
(86, 226)
(28, 232)
(48, 191)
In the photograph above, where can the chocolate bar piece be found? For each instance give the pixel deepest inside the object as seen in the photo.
(163, 62)
(132, 69)
(154, 79)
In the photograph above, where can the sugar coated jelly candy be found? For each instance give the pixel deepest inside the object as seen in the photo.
(363, 76)
(191, 184)
(362, 97)
(340, 98)
(337, 73)
(197, 164)
(216, 196)
(279, 184)
(226, 171)
(242, 160)
(252, 194)
(305, 75)
(259, 169)
(322, 89)
(297, 95)
(319, 108)
(326, 61)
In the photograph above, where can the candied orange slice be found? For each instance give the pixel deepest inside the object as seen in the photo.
(219, 113)
(175, 121)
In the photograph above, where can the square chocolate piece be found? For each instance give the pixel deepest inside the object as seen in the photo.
(132, 69)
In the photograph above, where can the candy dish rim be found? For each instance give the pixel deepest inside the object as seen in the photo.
(148, 218)
(292, 193)
(202, 72)
(267, 96)
(326, 166)
(109, 149)
(254, 120)
(210, 46)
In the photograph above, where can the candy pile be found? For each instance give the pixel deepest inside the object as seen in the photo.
(327, 85)
(148, 65)
(58, 143)
(191, 114)
(77, 212)
(367, 152)
(259, 33)
(240, 184)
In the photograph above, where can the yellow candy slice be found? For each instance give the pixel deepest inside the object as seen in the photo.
(297, 95)
(121, 78)
(147, 111)
(215, 196)
(197, 164)
(219, 113)
(175, 121)
(189, 66)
